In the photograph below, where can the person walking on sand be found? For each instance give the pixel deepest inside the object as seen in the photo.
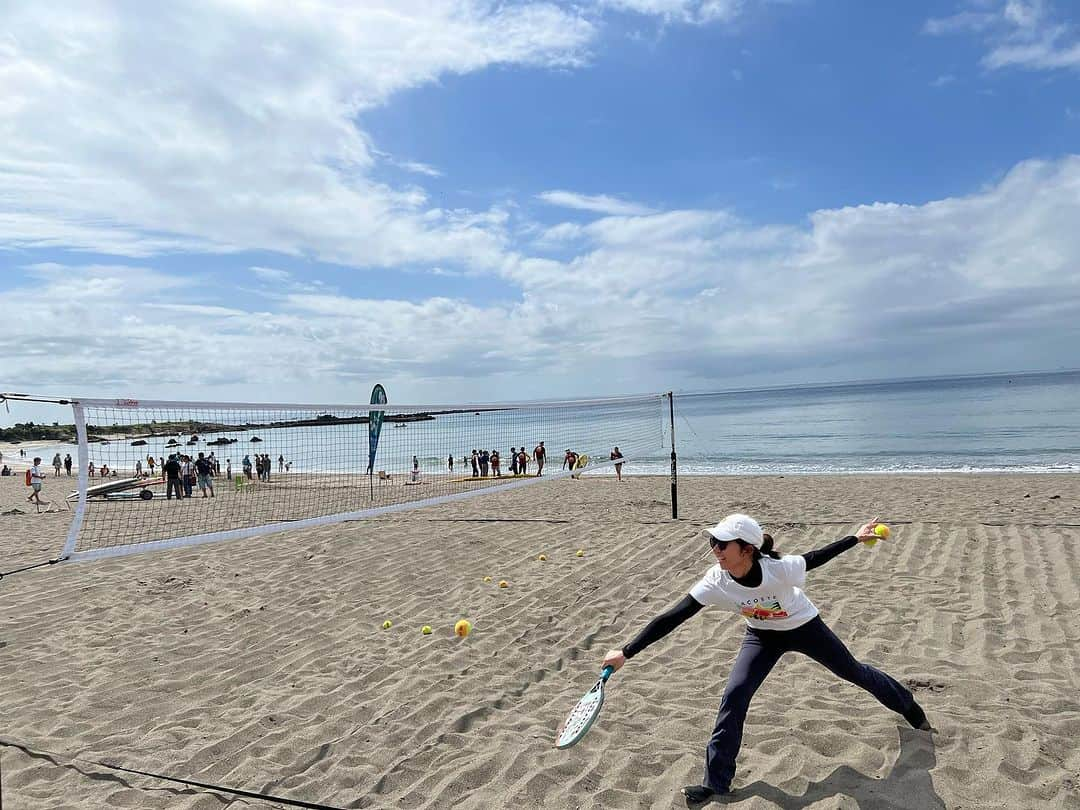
(539, 455)
(617, 454)
(37, 479)
(752, 579)
(450, 463)
(67, 464)
(171, 471)
(57, 464)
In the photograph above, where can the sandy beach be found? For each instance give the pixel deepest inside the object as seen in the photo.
(260, 664)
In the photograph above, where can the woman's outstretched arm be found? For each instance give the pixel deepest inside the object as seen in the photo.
(820, 556)
(654, 631)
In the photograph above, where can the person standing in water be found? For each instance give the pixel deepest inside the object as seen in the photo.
(615, 455)
(752, 579)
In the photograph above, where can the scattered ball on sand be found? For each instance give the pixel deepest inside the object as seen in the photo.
(581, 552)
(462, 628)
(387, 624)
(487, 579)
(503, 583)
(542, 558)
(426, 629)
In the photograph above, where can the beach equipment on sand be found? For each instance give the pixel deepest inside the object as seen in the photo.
(579, 465)
(584, 714)
(118, 486)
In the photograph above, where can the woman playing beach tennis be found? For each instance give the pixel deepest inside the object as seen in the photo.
(766, 588)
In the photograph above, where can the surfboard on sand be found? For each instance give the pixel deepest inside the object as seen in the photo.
(119, 485)
(579, 465)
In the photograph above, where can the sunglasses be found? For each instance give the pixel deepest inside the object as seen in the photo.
(720, 544)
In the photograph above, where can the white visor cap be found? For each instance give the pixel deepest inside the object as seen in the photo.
(737, 527)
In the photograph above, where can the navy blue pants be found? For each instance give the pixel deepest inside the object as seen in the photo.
(760, 651)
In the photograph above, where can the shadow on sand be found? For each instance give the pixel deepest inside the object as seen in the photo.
(908, 785)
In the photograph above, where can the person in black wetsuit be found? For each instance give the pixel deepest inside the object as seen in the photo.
(766, 588)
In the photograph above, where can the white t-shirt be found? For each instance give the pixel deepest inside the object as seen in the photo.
(35, 475)
(778, 603)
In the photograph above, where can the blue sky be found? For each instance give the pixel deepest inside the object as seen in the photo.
(467, 200)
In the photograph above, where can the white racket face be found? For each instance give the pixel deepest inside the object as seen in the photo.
(581, 717)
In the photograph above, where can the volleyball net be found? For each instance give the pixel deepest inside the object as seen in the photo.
(154, 475)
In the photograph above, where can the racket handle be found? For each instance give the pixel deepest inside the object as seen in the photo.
(606, 672)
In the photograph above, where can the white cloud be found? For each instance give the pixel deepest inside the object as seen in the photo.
(419, 168)
(270, 274)
(1017, 33)
(685, 11)
(678, 298)
(597, 203)
(138, 131)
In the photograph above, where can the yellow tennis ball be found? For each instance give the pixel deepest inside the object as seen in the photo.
(581, 552)
(542, 558)
(426, 629)
(487, 579)
(387, 624)
(882, 531)
(503, 583)
(462, 628)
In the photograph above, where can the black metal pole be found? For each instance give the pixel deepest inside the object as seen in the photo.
(674, 469)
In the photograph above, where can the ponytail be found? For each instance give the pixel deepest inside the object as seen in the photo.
(767, 548)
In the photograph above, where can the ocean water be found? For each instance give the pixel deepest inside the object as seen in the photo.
(1006, 423)
(997, 423)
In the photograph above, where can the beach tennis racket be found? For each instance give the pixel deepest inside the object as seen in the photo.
(584, 714)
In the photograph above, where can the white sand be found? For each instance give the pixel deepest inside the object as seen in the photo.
(260, 663)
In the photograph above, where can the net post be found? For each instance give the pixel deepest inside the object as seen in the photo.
(79, 415)
(674, 468)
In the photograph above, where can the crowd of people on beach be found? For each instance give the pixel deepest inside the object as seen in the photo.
(489, 463)
(182, 473)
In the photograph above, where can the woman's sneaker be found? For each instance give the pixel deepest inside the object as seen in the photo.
(699, 794)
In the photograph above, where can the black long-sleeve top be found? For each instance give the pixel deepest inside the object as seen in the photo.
(688, 606)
